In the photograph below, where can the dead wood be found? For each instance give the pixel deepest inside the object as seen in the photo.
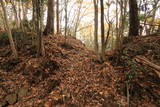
(145, 61)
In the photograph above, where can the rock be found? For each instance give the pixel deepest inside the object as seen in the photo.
(11, 99)
(22, 93)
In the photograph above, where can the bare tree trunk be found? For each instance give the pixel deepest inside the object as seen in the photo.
(133, 18)
(50, 18)
(109, 24)
(24, 10)
(13, 48)
(102, 32)
(20, 11)
(60, 15)
(117, 30)
(156, 2)
(123, 5)
(33, 14)
(40, 48)
(66, 17)
(58, 29)
(108, 33)
(158, 30)
(78, 18)
(15, 14)
(96, 25)
(4, 25)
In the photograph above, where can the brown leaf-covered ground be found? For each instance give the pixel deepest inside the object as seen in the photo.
(143, 80)
(69, 76)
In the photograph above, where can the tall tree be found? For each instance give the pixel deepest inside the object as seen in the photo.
(50, 18)
(133, 18)
(122, 20)
(57, 12)
(38, 22)
(15, 13)
(117, 30)
(20, 11)
(155, 8)
(33, 14)
(24, 9)
(79, 4)
(102, 32)
(96, 25)
(13, 48)
(66, 17)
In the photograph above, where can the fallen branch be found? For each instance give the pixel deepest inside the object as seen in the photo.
(145, 61)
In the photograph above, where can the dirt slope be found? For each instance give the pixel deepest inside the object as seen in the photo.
(67, 76)
(70, 76)
(143, 80)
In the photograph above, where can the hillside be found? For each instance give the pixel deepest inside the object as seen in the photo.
(80, 53)
(70, 75)
(138, 64)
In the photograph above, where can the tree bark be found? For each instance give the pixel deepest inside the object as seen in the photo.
(96, 25)
(108, 33)
(66, 18)
(58, 29)
(38, 22)
(158, 30)
(33, 14)
(20, 11)
(102, 32)
(13, 48)
(133, 18)
(122, 19)
(49, 29)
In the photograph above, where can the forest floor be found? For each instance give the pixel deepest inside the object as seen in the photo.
(70, 75)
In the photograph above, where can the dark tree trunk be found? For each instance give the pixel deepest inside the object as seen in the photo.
(158, 30)
(50, 18)
(33, 14)
(58, 29)
(102, 32)
(96, 25)
(133, 18)
(38, 25)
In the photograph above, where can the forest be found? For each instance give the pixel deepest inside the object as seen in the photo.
(79, 53)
